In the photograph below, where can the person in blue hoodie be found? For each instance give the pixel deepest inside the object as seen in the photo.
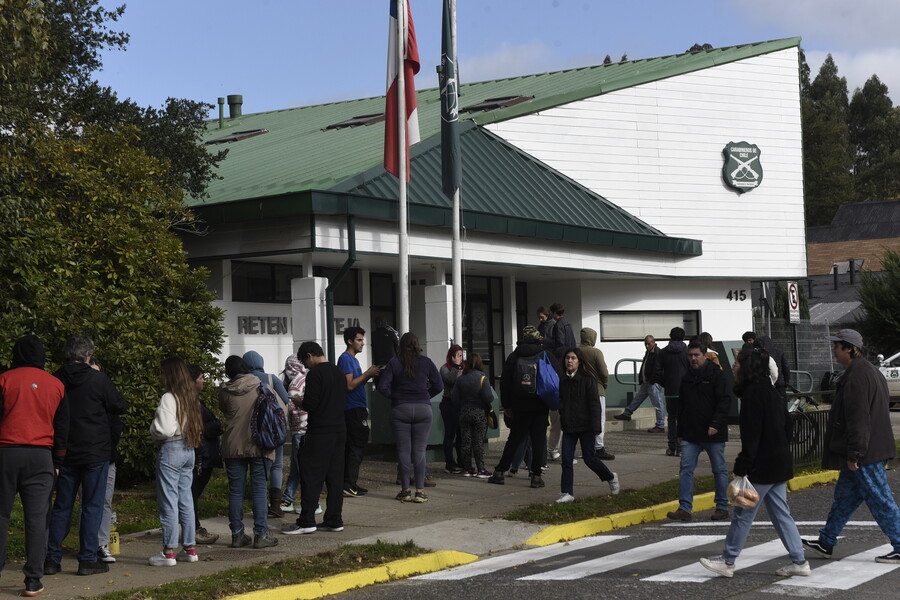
(276, 474)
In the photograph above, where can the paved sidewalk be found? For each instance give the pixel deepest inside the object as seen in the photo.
(460, 515)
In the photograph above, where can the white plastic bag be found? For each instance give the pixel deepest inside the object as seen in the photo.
(742, 493)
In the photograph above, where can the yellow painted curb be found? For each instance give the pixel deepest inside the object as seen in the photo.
(335, 584)
(553, 534)
(804, 481)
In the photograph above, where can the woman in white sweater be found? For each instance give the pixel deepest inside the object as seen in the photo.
(177, 428)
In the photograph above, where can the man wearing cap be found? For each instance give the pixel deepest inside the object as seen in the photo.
(859, 441)
(528, 413)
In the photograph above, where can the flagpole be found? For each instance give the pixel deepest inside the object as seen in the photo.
(456, 249)
(403, 252)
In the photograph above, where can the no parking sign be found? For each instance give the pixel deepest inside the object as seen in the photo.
(794, 301)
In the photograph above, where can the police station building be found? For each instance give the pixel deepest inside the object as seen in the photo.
(642, 195)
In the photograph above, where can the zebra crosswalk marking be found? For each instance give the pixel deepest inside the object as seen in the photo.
(625, 558)
(696, 573)
(845, 573)
(489, 565)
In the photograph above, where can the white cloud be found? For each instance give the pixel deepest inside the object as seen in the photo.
(844, 24)
(860, 66)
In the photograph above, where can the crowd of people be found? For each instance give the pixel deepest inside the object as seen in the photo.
(60, 431)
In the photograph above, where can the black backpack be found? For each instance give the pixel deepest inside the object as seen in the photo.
(526, 374)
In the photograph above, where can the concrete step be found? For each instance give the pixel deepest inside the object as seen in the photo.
(641, 419)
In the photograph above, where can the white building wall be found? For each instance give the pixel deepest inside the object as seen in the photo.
(656, 151)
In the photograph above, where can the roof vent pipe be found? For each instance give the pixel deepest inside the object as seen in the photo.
(852, 270)
(234, 105)
(221, 112)
(834, 270)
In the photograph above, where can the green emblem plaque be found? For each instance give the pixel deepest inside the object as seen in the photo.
(743, 170)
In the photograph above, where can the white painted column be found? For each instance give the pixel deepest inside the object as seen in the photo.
(308, 310)
(438, 322)
(511, 334)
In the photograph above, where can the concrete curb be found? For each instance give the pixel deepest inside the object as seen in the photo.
(553, 534)
(335, 584)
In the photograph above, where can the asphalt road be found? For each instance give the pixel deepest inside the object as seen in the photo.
(660, 560)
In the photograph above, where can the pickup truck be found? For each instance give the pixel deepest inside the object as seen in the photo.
(890, 368)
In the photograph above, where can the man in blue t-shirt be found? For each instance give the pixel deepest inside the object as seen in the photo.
(356, 413)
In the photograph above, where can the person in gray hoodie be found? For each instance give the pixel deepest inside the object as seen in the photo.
(276, 473)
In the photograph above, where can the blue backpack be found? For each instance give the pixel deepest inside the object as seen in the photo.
(547, 383)
(268, 424)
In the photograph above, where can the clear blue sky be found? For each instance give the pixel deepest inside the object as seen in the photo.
(287, 53)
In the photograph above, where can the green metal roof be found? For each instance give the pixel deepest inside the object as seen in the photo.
(505, 190)
(298, 155)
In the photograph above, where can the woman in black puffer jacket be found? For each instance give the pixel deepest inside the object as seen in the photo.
(580, 420)
(765, 459)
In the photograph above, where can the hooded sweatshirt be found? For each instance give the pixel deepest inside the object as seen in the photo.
(92, 398)
(512, 399)
(255, 361)
(671, 366)
(236, 400)
(594, 357)
(34, 410)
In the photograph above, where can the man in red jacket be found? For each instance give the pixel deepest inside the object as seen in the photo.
(34, 425)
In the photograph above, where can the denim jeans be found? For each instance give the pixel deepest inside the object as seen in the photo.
(174, 475)
(109, 515)
(276, 470)
(870, 485)
(586, 438)
(598, 440)
(294, 477)
(522, 454)
(237, 468)
(655, 392)
(91, 478)
(775, 497)
(690, 452)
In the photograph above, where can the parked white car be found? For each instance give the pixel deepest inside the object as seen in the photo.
(890, 368)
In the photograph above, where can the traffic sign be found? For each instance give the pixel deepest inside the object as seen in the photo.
(793, 301)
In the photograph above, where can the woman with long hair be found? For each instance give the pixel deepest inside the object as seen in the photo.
(580, 418)
(450, 371)
(472, 394)
(177, 427)
(411, 380)
(765, 459)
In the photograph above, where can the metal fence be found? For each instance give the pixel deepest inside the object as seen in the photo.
(808, 438)
(805, 346)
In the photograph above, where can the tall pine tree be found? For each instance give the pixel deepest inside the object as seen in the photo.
(874, 133)
(827, 151)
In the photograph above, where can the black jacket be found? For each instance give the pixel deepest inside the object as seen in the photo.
(92, 398)
(777, 354)
(579, 407)
(510, 398)
(210, 451)
(648, 367)
(671, 366)
(326, 390)
(703, 402)
(472, 390)
(765, 455)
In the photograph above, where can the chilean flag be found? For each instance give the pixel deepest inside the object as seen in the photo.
(405, 46)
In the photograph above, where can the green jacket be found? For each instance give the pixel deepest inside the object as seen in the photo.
(594, 358)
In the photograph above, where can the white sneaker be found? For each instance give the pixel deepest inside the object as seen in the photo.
(794, 569)
(162, 560)
(554, 455)
(103, 555)
(614, 484)
(718, 565)
(187, 555)
(297, 530)
(565, 498)
(319, 510)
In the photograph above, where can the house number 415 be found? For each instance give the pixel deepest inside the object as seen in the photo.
(736, 295)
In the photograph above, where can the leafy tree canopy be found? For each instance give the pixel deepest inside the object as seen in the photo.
(880, 297)
(91, 190)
